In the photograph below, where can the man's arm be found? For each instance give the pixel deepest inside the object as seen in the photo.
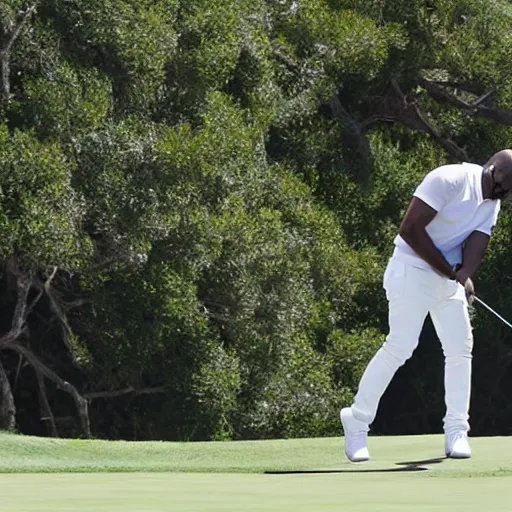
(473, 253)
(412, 230)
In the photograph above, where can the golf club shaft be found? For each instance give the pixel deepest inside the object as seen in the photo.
(492, 310)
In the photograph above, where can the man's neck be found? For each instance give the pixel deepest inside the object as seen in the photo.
(486, 183)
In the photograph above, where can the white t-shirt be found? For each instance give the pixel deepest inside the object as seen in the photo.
(455, 192)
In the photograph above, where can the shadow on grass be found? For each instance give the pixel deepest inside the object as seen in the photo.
(412, 466)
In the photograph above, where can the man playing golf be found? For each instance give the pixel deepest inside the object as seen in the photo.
(441, 242)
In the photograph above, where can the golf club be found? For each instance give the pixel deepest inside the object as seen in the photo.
(492, 310)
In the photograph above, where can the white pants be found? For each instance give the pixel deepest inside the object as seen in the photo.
(412, 293)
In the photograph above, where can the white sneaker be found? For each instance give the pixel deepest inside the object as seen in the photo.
(356, 434)
(457, 445)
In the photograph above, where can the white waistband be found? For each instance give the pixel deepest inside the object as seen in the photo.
(411, 258)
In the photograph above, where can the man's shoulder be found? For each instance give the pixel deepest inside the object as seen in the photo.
(457, 169)
(472, 168)
(456, 174)
(448, 175)
(471, 165)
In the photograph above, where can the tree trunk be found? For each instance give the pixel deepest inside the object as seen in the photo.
(7, 407)
(40, 368)
(46, 410)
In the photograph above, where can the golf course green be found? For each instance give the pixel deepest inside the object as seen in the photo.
(407, 473)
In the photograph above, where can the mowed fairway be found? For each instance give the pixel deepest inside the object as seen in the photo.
(236, 493)
(406, 474)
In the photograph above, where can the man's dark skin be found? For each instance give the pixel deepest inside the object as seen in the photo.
(496, 184)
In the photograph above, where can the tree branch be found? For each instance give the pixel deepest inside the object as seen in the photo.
(17, 29)
(499, 115)
(441, 93)
(67, 333)
(396, 108)
(7, 407)
(40, 367)
(5, 52)
(38, 297)
(280, 55)
(359, 142)
(46, 410)
(126, 391)
(18, 370)
(23, 285)
(472, 88)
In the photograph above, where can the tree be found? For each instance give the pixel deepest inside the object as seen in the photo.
(40, 229)
(199, 198)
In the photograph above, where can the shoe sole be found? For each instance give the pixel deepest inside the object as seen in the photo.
(363, 459)
(458, 456)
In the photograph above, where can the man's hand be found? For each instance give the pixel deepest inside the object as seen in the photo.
(462, 276)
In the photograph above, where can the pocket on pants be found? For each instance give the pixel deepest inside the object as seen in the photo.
(394, 279)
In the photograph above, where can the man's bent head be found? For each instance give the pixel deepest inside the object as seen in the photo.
(499, 167)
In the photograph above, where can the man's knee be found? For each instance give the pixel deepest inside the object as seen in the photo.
(461, 354)
(399, 350)
(461, 347)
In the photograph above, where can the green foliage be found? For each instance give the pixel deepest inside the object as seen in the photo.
(41, 213)
(218, 177)
(344, 41)
(67, 103)
(374, 216)
(117, 175)
(216, 386)
(300, 399)
(350, 353)
(132, 41)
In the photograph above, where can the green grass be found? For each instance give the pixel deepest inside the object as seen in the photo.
(99, 476)
(160, 492)
(23, 454)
